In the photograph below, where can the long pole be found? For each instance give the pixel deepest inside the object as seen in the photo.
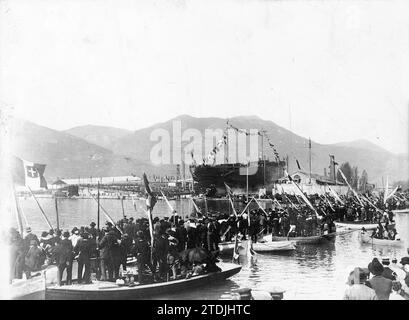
(309, 147)
(41, 209)
(56, 212)
(18, 215)
(98, 209)
(122, 204)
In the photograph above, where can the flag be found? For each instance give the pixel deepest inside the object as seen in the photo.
(335, 195)
(298, 164)
(150, 203)
(386, 190)
(28, 174)
(353, 191)
(228, 189)
(301, 193)
(230, 195)
(151, 198)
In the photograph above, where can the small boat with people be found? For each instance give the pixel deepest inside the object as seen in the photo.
(261, 245)
(366, 237)
(358, 225)
(318, 239)
(103, 290)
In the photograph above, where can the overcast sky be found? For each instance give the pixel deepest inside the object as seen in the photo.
(331, 70)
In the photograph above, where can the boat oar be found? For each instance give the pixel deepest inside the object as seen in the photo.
(106, 213)
(41, 209)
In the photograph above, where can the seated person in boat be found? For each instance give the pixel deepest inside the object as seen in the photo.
(392, 234)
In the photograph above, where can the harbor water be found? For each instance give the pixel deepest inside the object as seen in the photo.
(310, 272)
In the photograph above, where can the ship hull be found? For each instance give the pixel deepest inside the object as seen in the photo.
(261, 174)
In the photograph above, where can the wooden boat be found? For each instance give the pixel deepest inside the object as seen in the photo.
(401, 211)
(303, 240)
(33, 288)
(102, 290)
(276, 246)
(262, 246)
(358, 225)
(365, 237)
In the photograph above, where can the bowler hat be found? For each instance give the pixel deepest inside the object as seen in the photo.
(28, 229)
(375, 267)
(92, 224)
(66, 234)
(404, 260)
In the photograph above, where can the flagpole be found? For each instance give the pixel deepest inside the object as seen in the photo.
(106, 213)
(18, 215)
(56, 212)
(122, 205)
(98, 215)
(41, 209)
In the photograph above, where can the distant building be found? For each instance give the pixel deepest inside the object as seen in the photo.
(302, 177)
(102, 180)
(58, 184)
(317, 185)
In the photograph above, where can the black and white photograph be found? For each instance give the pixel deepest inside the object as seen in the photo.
(204, 150)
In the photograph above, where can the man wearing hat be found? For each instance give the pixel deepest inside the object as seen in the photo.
(29, 237)
(92, 230)
(33, 258)
(387, 272)
(74, 236)
(381, 285)
(142, 252)
(357, 289)
(84, 251)
(110, 254)
(63, 256)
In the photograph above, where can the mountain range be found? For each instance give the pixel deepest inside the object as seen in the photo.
(105, 151)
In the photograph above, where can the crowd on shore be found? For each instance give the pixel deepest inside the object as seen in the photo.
(384, 280)
(105, 251)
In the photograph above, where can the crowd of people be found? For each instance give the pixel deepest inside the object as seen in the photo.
(105, 251)
(379, 281)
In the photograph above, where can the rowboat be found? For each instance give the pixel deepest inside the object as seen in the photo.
(33, 288)
(302, 240)
(260, 246)
(401, 211)
(366, 238)
(102, 290)
(358, 225)
(271, 247)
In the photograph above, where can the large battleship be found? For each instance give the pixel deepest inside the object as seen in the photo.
(211, 179)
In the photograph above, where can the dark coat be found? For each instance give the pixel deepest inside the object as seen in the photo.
(63, 252)
(161, 247)
(110, 246)
(84, 249)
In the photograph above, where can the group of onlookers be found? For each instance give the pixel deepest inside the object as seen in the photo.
(380, 281)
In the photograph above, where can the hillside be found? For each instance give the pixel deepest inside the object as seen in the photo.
(375, 160)
(103, 151)
(66, 155)
(99, 135)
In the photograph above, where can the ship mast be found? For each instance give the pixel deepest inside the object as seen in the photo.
(309, 147)
(262, 157)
